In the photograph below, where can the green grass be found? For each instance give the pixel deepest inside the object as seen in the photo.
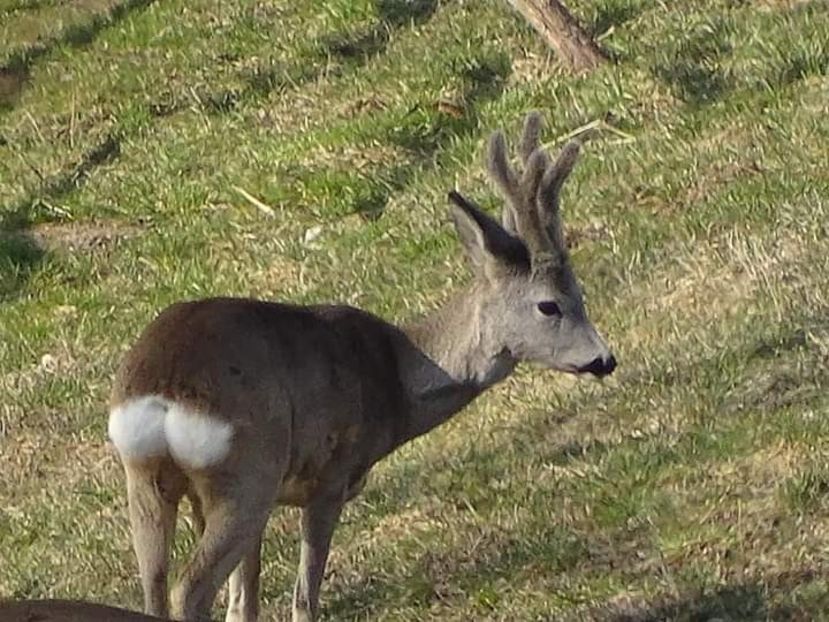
(691, 485)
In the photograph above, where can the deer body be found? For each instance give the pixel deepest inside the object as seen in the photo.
(336, 387)
(242, 404)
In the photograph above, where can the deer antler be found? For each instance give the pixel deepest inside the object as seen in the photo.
(532, 201)
(519, 217)
(547, 197)
(530, 138)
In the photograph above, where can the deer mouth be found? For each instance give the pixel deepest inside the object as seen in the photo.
(599, 367)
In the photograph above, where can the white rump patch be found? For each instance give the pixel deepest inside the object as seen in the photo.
(196, 440)
(152, 426)
(136, 428)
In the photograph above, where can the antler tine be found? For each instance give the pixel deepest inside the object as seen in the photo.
(549, 188)
(500, 171)
(537, 163)
(519, 215)
(530, 139)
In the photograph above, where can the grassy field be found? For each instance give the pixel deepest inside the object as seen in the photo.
(692, 485)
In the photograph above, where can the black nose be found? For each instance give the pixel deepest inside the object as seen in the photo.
(599, 366)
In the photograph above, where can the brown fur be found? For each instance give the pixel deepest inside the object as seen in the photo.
(67, 611)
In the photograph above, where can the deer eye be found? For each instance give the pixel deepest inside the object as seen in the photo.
(549, 308)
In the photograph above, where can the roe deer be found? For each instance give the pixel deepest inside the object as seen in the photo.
(243, 404)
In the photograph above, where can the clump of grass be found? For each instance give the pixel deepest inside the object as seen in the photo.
(808, 491)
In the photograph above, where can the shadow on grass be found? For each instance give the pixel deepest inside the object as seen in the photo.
(805, 53)
(612, 13)
(14, 75)
(353, 47)
(479, 573)
(423, 133)
(20, 253)
(479, 567)
(20, 256)
(692, 67)
(365, 43)
(258, 83)
(13, 79)
(481, 78)
(441, 575)
(802, 63)
(21, 214)
(13, 6)
(426, 133)
(741, 601)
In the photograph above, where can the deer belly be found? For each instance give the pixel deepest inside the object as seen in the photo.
(297, 491)
(329, 466)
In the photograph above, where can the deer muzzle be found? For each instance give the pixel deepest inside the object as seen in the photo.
(599, 366)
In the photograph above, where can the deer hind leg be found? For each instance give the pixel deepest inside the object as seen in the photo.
(317, 524)
(243, 587)
(154, 489)
(235, 514)
(197, 511)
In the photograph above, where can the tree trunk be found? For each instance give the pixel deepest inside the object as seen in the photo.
(561, 30)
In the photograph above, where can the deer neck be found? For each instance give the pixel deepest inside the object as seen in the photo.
(453, 356)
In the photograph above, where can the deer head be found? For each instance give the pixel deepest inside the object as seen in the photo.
(531, 302)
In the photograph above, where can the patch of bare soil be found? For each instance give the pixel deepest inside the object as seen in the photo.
(595, 231)
(351, 158)
(533, 68)
(362, 105)
(82, 236)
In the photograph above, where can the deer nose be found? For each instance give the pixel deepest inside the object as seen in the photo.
(600, 366)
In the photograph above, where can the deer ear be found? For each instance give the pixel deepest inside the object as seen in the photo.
(488, 245)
